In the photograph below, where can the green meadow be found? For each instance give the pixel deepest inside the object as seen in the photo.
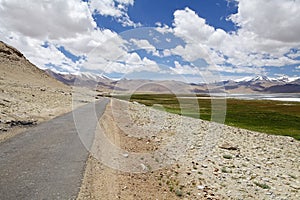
(272, 117)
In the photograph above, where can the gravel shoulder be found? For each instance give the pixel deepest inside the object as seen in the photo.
(166, 156)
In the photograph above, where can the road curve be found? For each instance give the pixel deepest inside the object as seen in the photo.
(47, 161)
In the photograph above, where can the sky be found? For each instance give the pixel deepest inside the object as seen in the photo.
(189, 40)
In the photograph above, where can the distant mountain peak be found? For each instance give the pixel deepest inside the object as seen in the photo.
(261, 78)
(279, 79)
(244, 79)
(253, 79)
(92, 76)
(84, 78)
(286, 79)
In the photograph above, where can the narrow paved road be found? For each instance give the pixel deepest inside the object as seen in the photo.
(47, 161)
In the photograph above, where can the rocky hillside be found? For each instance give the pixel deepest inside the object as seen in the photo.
(28, 94)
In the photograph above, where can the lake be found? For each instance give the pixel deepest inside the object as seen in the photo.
(291, 97)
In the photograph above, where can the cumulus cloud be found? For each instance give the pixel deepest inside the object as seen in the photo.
(106, 7)
(250, 46)
(29, 25)
(114, 56)
(84, 43)
(188, 25)
(41, 56)
(184, 69)
(144, 44)
(191, 51)
(46, 19)
(276, 19)
(294, 54)
(114, 8)
(268, 34)
(131, 63)
(134, 62)
(237, 70)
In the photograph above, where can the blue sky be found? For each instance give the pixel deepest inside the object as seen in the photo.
(149, 12)
(190, 40)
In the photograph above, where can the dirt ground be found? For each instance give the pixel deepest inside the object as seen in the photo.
(242, 164)
(104, 182)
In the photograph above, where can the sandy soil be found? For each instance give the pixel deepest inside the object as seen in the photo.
(166, 156)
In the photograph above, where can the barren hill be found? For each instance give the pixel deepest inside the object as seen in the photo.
(28, 94)
(16, 68)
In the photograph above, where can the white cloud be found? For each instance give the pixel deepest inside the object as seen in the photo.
(244, 48)
(145, 45)
(264, 38)
(59, 23)
(114, 8)
(41, 56)
(125, 21)
(167, 52)
(233, 70)
(134, 61)
(126, 2)
(150, 65)
(46, 19)
(106, 8)
(217, 38)
(294, 55)
(163, 28)
(191, 51)
(188, 25)
(184, 69)
(114, 56)
(131, 63)
(276, 19)
(86, 42)
(106, 52)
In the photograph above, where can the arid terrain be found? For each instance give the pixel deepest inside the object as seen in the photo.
(143, 153)
(28, 95)
(235, 163)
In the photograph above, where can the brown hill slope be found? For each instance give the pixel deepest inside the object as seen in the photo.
(16, 68)
(27, 94)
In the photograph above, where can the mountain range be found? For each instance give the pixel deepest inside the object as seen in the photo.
(24, 70)
(257, 84)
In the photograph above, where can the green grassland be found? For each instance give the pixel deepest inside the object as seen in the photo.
(272, 117)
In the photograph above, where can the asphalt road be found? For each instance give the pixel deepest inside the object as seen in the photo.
(48, 161)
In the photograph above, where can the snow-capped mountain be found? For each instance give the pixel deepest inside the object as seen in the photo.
(244, 79)
(280, 79)
(261, 78)
(91, 76)
(283, 79)
(257, 84)
(80, 78)
(281, 84)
